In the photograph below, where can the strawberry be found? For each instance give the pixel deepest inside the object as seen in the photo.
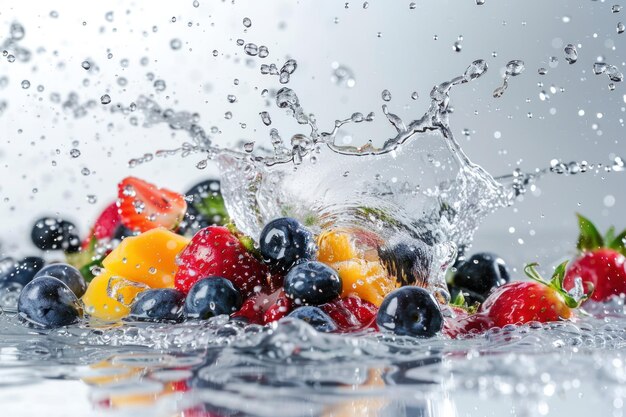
(250, 312)
(143, 206)
(602, 261)
(538, 300)
(107, 223)
(279, 309)
(214, 250)
(351, 313)
(463, 322)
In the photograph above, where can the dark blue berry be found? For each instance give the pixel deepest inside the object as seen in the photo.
(478, 275)
(409, 263)
(205, 207)
(312, 283)
(21, 272)
(284, 242)
(210, 297)
(47, 302)
(51, 233)
(314, 316)
(410, 311)
(121, 232)
(161, 304)
(67, 274)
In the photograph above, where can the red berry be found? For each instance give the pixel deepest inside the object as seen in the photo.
(215, 251)
(602, 261)
(279, 309)
(351, 313)
(522, 302)
(107, 222)
(143, 206)
(250, 311)
(464, 323)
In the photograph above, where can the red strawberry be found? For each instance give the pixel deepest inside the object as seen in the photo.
(521, 302)
(351, 313)
(464, 323)
(602, 262)
(214, 250)
(279, 309)
(250, 312)
(107, 222)
(143, 206)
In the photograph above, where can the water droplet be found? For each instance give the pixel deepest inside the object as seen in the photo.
(196, 3)
(247, 22)
(86, 65)
(159, 85)
(248, 147)
(92, 199)
(480, 2)
(231, 98)
(620, 28)
(108, 16)
(542, 71)
(74, 153)
(265, 118)
(85, 171)
(599, 68)
(566, 19)
(342, 76)
(456, 47)
(16, 31)
(553, 62)
(414, 95)
(105, 99)
(366, 5)
(614, 74)
(412, 5)
(385, 95)
(251, 49)
(228, 115)
(176, 44)
(571, 54)
(54, 14)
(263, 51)
(515, 67)
(25, 84)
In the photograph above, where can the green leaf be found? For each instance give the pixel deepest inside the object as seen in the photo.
(589, 237)
(213, 208)
(609, 236)
(532, 273)
(618, 243)
(559, 275)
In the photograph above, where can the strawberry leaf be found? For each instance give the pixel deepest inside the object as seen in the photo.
(618, 243)
(589, 237)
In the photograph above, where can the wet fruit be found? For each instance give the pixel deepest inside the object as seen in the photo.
(21, 272)
(410, 311)
(336, 246)
(351, 313)
(67, 274)
(149, 258)
(161, 304)
(205, 207)
(312, 283)
(368, 280)
(210, 297)
(284, 241)
(50, 233)
(478, 275)
(47, 302)
(144, 206)
(602, 262)
(108, 297)
(315, 317)
(538, 300)
(215, 251)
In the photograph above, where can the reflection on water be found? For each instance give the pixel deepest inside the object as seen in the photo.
(220, 368)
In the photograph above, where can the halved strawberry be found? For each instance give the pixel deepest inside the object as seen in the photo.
(352, 313)
(143, 206)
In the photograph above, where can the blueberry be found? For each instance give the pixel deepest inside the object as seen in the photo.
(67, 274)
(410, 263)
(210, 297)
(161, 304)
(205, 207)
(47, 302)
(284, 242)
(21, 272)
(315, 317)
(50, 233)
(480, 274)
(312, 283)
(410, 311)
(121, 232)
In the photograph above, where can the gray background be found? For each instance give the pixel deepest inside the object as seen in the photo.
(406, 57)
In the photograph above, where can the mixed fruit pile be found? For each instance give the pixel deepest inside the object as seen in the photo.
(160, 256)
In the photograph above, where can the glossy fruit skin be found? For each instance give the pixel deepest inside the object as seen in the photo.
(312, 283)
(281, 307)
(351, 313)
(160, 305)
(47, 302)
(336, 246)
(284, 241)
(143, 206)
(314, 316)
(149, 258)
(50, 233)
(479, 275)
(107, 222)
(215, 251)
(368, 280)
(604, 268)
(205, 207)
(522, 302)
(409, 263)
(99, 305)
(68, 275)
(22, 272)
(210, 297)
(410, 311)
